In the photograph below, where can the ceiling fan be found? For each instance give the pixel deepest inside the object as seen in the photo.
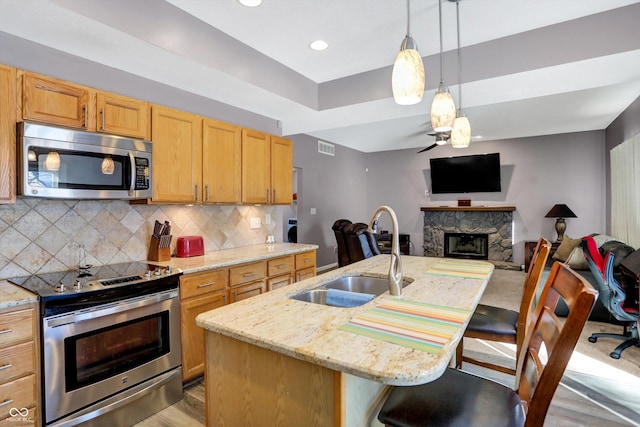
(441, 139)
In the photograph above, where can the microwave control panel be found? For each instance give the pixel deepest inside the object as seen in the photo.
(142, 173)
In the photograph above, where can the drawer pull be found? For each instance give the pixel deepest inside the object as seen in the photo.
(6, 331)
(6, 402)
(249, 274)
(7, 366)
(204, 285)
(282, 266)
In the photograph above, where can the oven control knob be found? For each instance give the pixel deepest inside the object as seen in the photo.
(77, 286)
(157, 272)
(147, 274)
(60, 288)
(168, 270)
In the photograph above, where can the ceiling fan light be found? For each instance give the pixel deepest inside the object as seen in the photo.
(461, 133)
(52, 162)
(443, 110)
(407, 79)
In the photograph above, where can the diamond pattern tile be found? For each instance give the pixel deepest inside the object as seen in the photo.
(42, 235)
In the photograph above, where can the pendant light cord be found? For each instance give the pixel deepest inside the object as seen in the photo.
(408, 20)
(459, 56)
(441, 64)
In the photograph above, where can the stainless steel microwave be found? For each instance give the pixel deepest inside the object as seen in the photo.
(64, 163)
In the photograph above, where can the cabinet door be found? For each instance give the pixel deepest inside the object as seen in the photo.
(49, 100)
(255, 167)
(281, 171)
(305, 274)
(177, 151)
(221, 162)
(7, 134)
(122, 115)
(274, 283)
(247, 291)
(193, 336)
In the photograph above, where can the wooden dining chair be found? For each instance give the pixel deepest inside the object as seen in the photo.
(503, 325)
(459, 398)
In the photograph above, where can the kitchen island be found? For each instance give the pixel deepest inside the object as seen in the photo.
(272, 360)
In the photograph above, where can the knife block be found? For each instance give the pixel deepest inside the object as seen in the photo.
(157, 253)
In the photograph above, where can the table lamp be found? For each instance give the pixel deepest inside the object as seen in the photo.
(560, 212)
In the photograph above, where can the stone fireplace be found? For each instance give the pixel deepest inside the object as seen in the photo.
(494, 222)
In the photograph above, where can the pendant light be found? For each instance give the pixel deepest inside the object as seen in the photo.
(461, 133)
(52, 162)
(407, 78)
(443, 109)
(108, 167)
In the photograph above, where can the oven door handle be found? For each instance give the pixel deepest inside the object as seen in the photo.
(109, 309)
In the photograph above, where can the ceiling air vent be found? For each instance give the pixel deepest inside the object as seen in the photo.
(326, 148)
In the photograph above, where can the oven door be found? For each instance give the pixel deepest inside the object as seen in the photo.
(94, 353)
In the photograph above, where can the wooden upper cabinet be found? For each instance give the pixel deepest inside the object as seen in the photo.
(221, 162)
(7, 134)
(122, 115)
(256, 161)
(177, 155)
(49, 100)
(281, 171)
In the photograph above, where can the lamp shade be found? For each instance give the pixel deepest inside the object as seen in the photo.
(443, 110)
(560, 211)
(52, 162)
(407, 78)
(461, 133)
(108, 166)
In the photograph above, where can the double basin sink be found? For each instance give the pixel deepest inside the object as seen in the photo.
(356, 284)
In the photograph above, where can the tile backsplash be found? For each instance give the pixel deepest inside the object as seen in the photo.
(45, 235)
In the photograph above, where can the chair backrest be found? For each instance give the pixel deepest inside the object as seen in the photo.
(341, 241)
(537, 382)
(612, 294)
(531, 284)
(360, 243)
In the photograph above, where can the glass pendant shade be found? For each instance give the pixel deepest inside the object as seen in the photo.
(461, 133)
(443, 110)
(407, 79)
(31, 156)
(52, 162)
(108, 167)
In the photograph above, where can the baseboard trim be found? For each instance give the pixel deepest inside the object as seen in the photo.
(325, 268)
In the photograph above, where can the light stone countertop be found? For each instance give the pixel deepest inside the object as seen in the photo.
(310, 331)
(13, 296)
(231, 257)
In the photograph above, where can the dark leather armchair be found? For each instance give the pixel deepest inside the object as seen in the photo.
(612, 296)
(360, 243)
(341, 241)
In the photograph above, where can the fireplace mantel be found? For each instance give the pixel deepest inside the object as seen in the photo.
(468, 208)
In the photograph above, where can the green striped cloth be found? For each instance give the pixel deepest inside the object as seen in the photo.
(418, 325)
(459, 268)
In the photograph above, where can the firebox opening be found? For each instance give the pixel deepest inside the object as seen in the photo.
(466, 245)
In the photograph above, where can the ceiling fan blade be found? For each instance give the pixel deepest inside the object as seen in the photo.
(428, 148)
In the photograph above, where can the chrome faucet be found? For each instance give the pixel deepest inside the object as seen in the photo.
(395, 268)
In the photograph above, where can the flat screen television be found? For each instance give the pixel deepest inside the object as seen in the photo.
(466, 174)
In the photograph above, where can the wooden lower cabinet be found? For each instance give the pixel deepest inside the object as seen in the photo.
(305, 265)
(247, 291)
(18, 367)
(192, 335)
(278, 282)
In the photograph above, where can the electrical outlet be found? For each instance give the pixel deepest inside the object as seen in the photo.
(267, 219)
(255, 223)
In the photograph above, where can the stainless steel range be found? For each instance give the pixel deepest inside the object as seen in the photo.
(110, 343)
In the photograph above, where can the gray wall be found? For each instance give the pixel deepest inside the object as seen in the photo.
(536, 174)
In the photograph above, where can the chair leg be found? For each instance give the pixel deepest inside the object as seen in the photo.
(615, 354)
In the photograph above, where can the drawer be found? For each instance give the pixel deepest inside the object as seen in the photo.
(16, 326)
(305, 274)
(305, 260)
(202, 283)
(16, 361)
(20, 393)
(278, 266)
(246, 273)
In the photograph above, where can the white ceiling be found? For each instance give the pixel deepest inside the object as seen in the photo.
(530, 67)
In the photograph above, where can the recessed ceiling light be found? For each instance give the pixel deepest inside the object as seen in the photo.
(250, 3)
(318, 45)
(477, 136)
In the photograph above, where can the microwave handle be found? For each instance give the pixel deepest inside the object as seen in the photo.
(132, 185)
